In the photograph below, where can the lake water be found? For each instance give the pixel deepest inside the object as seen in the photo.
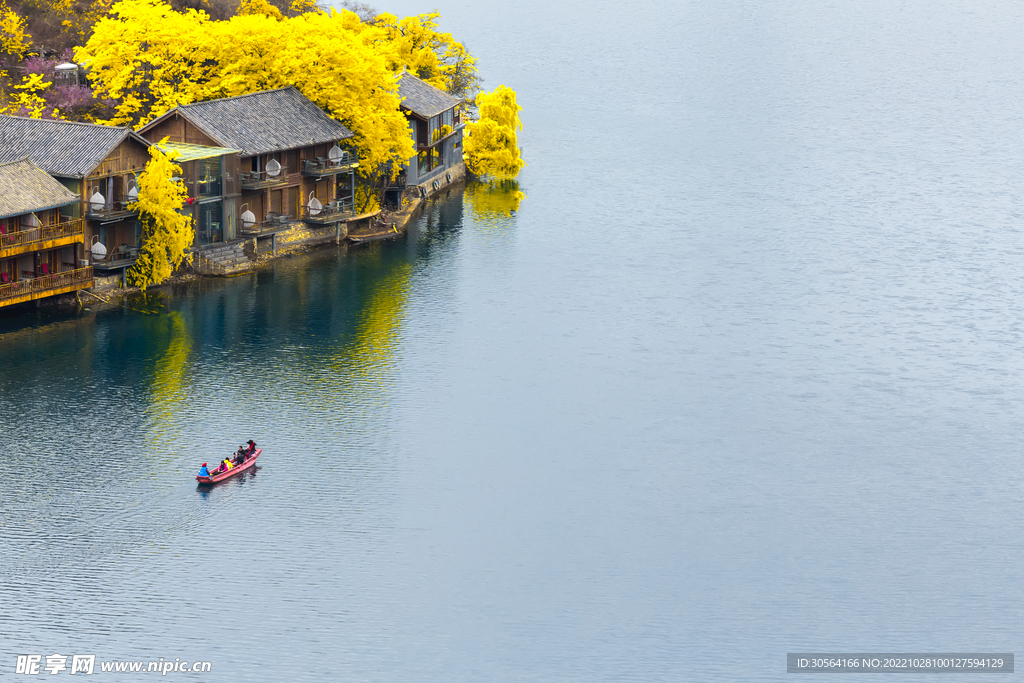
(743, 376)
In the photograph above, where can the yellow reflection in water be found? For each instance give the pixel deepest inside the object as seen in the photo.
(170, 365)
(496, 199)
(369, 359)
(169, 368)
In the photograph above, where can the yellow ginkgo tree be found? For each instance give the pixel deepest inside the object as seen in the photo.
(492, 143)
(148, 58)
(416, 45)
(166, 232)
(14, 41)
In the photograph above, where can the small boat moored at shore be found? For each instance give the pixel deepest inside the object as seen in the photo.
(221, 476)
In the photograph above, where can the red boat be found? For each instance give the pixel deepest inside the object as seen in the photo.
(221, 476)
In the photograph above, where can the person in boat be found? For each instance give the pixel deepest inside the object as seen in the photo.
(252, 448)
(239, 456)
(203, 472)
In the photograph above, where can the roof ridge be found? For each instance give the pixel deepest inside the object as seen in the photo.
(69, 123)
(236, 97)
(18, 161)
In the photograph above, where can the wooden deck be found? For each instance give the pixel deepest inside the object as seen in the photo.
(43, 237)
(47, 285)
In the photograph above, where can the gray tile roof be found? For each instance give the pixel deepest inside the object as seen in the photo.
(61, 148)
(262, 122)
(24, 188)
(422, 98)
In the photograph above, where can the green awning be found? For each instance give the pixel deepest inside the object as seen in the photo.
(189, 152)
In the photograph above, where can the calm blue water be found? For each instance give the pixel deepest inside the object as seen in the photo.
(743, 376)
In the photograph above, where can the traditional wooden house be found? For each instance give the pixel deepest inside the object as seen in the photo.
(290, 165)
(39, 236)
(100, 165)
(436, 125)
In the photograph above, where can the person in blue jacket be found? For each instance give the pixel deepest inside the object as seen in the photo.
(203, 472)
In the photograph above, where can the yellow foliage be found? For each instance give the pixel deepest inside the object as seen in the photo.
(491, 145)
(302, 6)
(415, 44)
(28, 101)
(366, 201)
(167, 233)
(148, 58)
(248, 7)
(498, 198)
(13, 39)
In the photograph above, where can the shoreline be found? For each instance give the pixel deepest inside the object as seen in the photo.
(259, 252)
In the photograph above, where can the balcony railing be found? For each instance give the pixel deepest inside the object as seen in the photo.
(116, 210)
(35, 288)
(331, 212)
(321, 166)
(258, 180)
(120, 257)
(29, 240)
(274, 223)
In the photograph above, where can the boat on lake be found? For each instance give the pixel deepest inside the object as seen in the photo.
(221, 476)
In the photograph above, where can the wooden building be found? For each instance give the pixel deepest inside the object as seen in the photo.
(436, 125)
(290, 165)
(100, 165)
(40, 238)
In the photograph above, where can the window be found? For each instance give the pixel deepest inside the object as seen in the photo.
(424, 162)
(208, 177)
(210, 224)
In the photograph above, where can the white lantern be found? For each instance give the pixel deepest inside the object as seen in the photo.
(315, 207)
(273, 168)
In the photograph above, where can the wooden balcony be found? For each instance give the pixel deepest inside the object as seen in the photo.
(112, 211)
(43, 237)
(119, 258)
(322, 167)
(332, 212)
(47, 285)
(275, 223)
(259, 180)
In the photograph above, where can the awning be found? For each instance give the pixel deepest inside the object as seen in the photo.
(189, 152)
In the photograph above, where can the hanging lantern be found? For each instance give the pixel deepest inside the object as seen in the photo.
(99, 252)
(248, 218)
(273, 168)
(315, 207)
